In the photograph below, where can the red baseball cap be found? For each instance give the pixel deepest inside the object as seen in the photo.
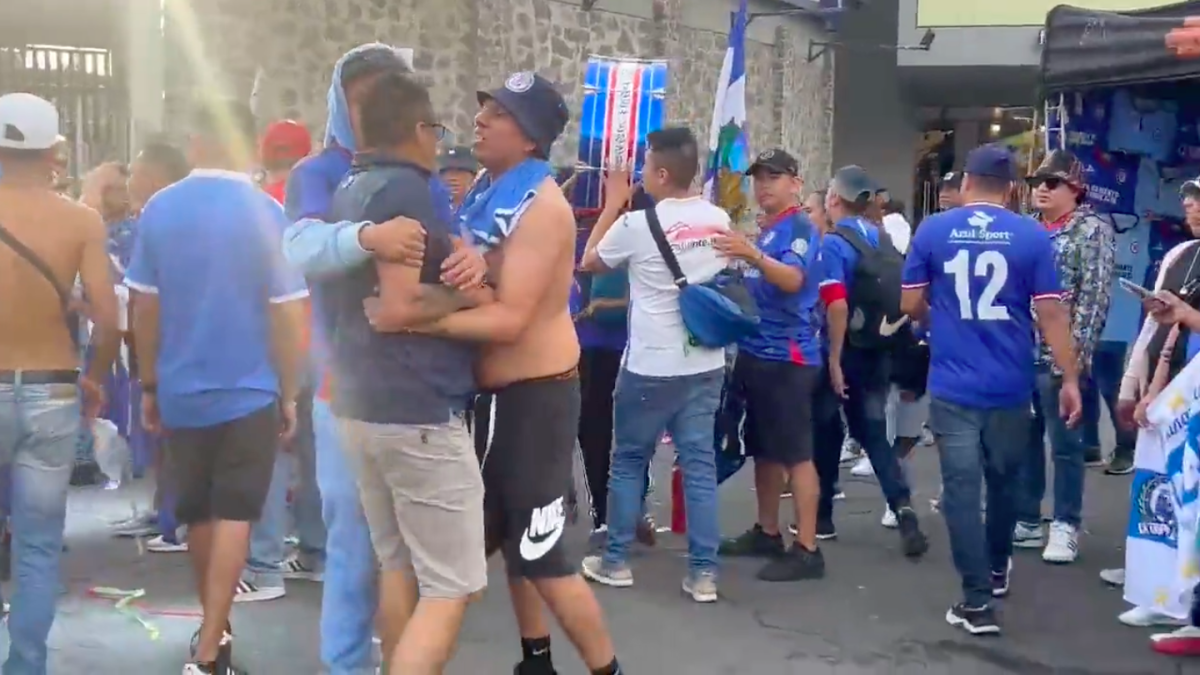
(284, 140)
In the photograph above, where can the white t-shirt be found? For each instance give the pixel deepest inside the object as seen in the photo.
(898, 230)
(658, 344)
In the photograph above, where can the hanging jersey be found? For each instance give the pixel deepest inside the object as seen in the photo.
(983, 266)
(1087, 123)
(1187, 140)
(1146, 187)
(1111, 180)
(1142, 126)
(1132, 262)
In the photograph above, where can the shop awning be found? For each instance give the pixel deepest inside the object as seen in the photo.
(1084, 49)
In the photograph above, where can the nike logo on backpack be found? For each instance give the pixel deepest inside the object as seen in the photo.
(888, 328)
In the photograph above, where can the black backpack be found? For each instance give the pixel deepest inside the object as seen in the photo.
(876, 321)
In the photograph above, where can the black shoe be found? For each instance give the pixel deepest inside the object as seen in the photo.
(912, 540)
(1000, 581)
(1120, 464)
(86, 473)
(797, 564)
(534, 667)
(1093, 457)
(825, 530)
(224, 651)
(976, 621)
(753, 543)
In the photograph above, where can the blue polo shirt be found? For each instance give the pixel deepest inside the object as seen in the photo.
(209, 248)
(983, 266)
(790, 325)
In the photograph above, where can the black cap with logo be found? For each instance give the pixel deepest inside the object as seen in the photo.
(459, 158)
(776, 161)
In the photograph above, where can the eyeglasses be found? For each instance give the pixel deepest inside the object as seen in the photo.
(439, 129)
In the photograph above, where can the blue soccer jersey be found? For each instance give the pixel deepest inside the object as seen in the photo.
(983, 266)
(1111, 180)
(1133, 261)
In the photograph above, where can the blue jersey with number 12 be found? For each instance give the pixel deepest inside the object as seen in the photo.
(983, 265)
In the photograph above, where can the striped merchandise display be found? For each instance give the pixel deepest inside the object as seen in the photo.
(623, 101)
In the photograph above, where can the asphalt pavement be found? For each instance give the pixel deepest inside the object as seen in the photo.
(875, 612)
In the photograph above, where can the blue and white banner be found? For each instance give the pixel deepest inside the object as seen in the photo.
(1161, 561)
(623, 101)
(729, 155)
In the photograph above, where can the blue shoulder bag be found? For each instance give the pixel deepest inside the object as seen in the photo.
(716, 313)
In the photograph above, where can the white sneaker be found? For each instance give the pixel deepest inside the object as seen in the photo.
(889, 520)
(850, 451)
(1025, 536)
(1142, 617)
(1063, 545)
(1113, 577)
(160, 544)
(863, 468)
(251, 592)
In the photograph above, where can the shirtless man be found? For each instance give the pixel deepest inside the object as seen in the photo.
(39, 361)
(529, 363)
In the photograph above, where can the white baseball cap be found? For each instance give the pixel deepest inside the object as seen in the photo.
(27, 122)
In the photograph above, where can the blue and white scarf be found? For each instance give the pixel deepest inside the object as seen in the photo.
(493, 208)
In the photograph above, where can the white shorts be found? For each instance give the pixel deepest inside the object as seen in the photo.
(906, 418)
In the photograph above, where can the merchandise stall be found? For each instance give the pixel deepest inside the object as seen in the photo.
(1121, 94)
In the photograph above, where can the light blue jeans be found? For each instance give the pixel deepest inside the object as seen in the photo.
(39, 429)
(644, 407)
(267, 547)
(349, 596)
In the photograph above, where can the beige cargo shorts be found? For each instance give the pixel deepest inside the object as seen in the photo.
(422, 493)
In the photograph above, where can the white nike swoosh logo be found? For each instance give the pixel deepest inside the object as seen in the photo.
(888, 329)
(534, 550)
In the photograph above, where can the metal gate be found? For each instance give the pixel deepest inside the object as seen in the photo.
(89, 89)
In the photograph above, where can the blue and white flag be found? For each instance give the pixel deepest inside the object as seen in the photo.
(1161, 557)
(729, 157)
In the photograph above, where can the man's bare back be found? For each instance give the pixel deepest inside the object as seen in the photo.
(71, 239)
(539, 259)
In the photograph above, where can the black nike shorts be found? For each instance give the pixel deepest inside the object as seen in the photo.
(223, 472)
(525, 433)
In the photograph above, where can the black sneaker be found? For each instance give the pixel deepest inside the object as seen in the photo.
(825, 530)
(797, 564)
(753, 543)
(976, 621)
(1120, 464)
(534, 667)
(912, 540)
(1000, 581)
(224, 651)
(1093, 457)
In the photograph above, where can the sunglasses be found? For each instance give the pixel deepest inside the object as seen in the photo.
(1051, 182)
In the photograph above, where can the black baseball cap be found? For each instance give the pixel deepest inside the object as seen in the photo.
(536, 106)
(951, 181)
(776, 161)
(994, 161)
(459, 158)
(852, 183)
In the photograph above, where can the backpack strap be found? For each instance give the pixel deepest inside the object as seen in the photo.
(855, 239)
(664, 248)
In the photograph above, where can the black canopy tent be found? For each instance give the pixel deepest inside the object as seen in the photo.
(1086, 49)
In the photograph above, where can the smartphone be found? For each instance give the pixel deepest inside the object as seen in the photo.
(1141, 292)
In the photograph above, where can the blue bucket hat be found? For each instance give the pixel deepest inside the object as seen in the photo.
(536, 106)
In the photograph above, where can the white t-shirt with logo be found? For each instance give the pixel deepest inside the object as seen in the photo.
(659, 345)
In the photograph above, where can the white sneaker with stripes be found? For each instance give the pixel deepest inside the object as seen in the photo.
(250, 592)
(1063, 544)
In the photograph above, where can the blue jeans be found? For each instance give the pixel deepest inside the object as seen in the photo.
(643, 407)
(267, 546)
(306, 498)
(868, 379)
(39, 429)
(976, 445)
(1069, 469)
(1104, 384)
(348, 597)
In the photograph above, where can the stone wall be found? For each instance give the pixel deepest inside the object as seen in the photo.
(465, 45)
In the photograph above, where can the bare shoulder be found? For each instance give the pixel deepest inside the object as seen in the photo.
(550, 210)
(83, 219)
